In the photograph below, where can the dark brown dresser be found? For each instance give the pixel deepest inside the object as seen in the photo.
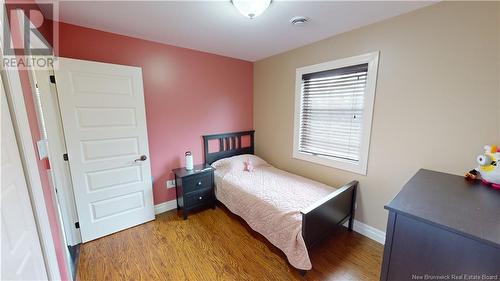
(442, 227)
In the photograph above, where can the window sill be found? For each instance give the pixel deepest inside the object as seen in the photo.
(345, 165)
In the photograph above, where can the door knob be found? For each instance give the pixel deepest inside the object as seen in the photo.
(142, 158)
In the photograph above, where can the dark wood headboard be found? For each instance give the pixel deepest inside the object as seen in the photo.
(229, 145)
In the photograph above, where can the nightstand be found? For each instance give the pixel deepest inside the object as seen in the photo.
(195, 188)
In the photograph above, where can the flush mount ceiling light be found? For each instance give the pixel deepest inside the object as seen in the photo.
(251, 8)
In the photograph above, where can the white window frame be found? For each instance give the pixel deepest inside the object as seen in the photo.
(361, 166)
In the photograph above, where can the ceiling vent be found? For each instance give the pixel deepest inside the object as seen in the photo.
(299, 20)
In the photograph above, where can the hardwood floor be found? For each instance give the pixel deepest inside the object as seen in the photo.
(217, 245)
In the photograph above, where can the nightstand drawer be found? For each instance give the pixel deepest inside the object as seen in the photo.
(199, 197)
(197, 182)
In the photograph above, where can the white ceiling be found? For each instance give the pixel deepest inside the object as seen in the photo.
(217, 27)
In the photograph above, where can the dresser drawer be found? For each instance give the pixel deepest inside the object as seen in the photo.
(197, 182)
(199, 197)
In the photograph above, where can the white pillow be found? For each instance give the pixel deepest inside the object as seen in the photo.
(238, 162)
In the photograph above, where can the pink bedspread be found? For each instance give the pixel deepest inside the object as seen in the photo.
(270, 200)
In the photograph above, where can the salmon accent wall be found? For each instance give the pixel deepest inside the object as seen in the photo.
(187, 93)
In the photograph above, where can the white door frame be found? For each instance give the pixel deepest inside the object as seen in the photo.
(59, 168)
(54, 183)
(15, 96)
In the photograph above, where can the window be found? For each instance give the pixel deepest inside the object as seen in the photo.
(333, 112)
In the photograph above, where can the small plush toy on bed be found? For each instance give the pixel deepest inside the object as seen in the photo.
(489, 167)
(248, 165)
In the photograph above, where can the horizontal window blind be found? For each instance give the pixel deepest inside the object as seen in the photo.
(331, 112)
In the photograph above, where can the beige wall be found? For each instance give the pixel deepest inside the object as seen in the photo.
(436, 101)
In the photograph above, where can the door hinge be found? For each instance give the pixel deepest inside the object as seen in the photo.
(52, 79)
(65, 156)
(77, 224)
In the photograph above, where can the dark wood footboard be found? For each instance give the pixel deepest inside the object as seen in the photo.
(320, 219)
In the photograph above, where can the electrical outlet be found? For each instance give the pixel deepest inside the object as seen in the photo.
(170, 183)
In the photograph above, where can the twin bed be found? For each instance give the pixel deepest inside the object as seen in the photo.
(291, 212)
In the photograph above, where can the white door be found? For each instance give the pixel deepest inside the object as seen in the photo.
(22, 257)
(104, 120)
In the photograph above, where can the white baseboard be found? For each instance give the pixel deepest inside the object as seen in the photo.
(165, 206)
(369, 231)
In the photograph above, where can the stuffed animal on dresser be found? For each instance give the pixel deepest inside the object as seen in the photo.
(489, 167)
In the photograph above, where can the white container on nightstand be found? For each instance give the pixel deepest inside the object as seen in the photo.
(189, 160)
